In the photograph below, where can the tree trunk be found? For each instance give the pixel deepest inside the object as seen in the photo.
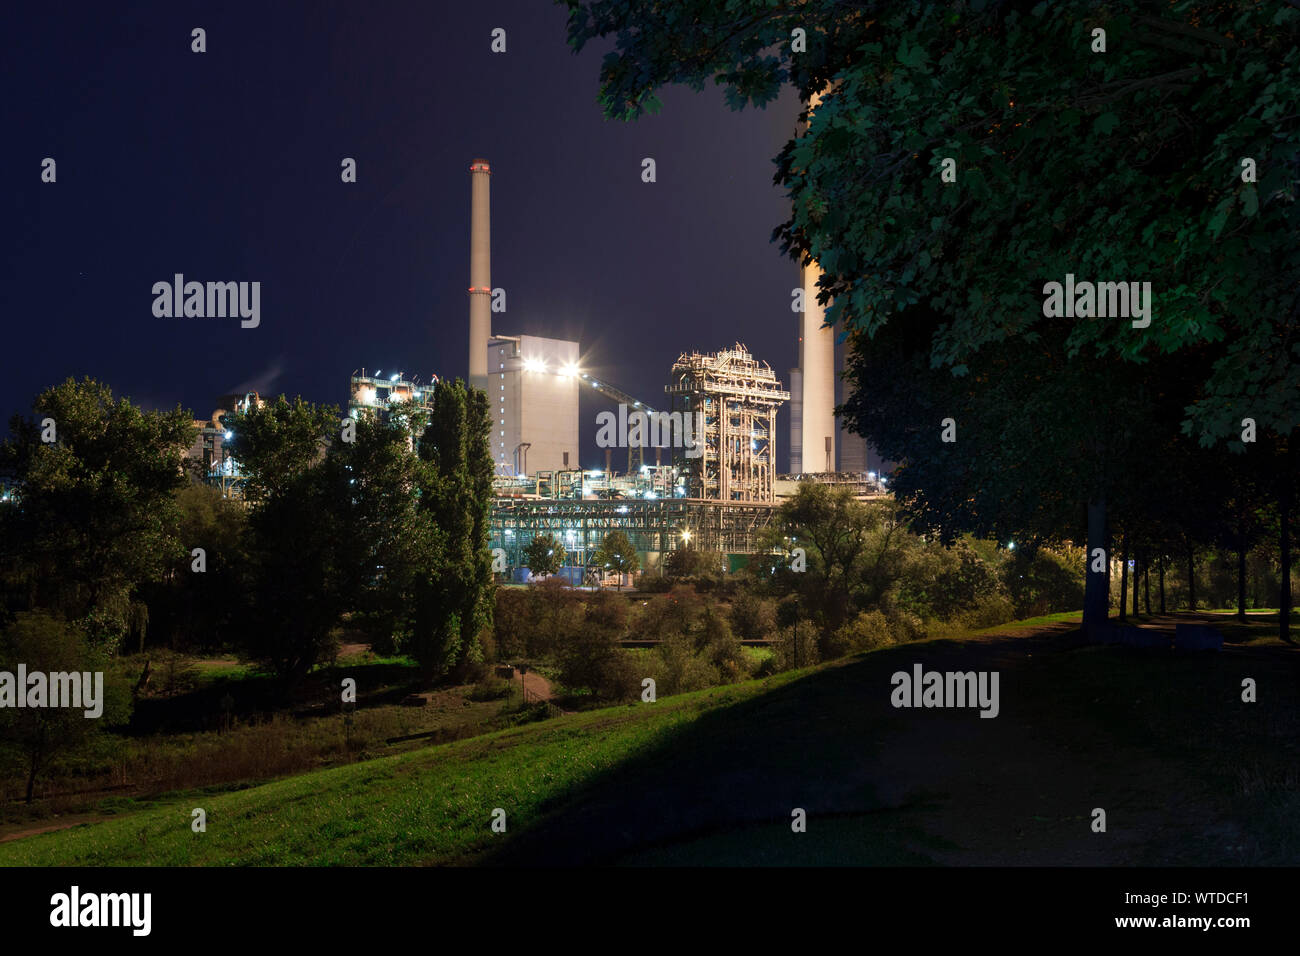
(1096, 593)
(1284, 606)
(1162, 583)
(31, 776)
(1191, 578)
(1241, 567)
(1135, 585)
(1123, 578)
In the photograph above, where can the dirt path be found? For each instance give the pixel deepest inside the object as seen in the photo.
(18, 831)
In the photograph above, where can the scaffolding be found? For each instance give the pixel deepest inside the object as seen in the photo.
(736, 398)
(654, 526)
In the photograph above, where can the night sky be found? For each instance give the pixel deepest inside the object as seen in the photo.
(225, 166)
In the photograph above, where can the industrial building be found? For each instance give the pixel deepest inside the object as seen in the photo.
(531, 381)
(533, 395)
(735, 398)
(374, 394)
(209, 457)
(718, 493)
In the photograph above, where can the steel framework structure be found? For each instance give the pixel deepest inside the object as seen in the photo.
(654, 526)
(739, 397)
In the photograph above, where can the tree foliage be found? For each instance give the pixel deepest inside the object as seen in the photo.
(95, 516)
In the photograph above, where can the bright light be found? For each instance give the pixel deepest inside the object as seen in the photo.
(871, 475)
(686, 536)
(534, 365)
(622, 509)
(229, 435)
(595, 474)
(393, 378)
(569, 370)
(1011, 546)
(651, 494)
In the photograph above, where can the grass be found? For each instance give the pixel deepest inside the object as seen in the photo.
(433, 805)
(181, 744)
(1189, 773)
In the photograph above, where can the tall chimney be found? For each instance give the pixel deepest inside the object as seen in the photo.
(817, 428)
(480, 273)
(817, 371)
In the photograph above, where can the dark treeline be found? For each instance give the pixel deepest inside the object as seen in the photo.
(108, 544)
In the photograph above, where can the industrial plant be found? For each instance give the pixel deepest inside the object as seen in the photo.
(700, 472)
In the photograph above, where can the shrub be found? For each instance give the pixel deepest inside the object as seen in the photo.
(867, 631)
(681, 668)
(753, 617)
(654, 584)
(990, 611)
(590, 657)
(905, 625)
(489, 688)
(795, 646)
(1046, 581)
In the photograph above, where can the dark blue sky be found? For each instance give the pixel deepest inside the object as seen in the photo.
(225, 166)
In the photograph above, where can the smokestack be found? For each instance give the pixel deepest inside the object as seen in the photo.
(480, 273)
(817, 374)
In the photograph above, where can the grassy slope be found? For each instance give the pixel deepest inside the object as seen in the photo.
(1187, 772)
(429, 806)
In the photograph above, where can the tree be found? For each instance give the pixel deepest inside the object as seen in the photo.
(95, 517)
(592, 657)
(693, 564)
(33, 738)
(190, 608)
(617, 554)
(544, 555)
(345, 530)
(1011, 99)
(453, 605)
(833, 528)
(277, 441)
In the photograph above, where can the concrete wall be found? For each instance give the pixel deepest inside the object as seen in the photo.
(534, 405)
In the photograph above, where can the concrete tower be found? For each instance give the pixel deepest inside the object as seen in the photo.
(480, 273)
(817, 373)
(817, 380)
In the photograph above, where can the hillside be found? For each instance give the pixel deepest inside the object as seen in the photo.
(1186, 772)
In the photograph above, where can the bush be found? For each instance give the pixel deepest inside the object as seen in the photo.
(489, 688)
(905, 625)
(795, 646)
(666, 615)
(512, 621)
(990, 611)
(590, 657)
(704, 568)
(866, 632)
(681, 668)
(654, 584)
(1045, 582)
(753, 617)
